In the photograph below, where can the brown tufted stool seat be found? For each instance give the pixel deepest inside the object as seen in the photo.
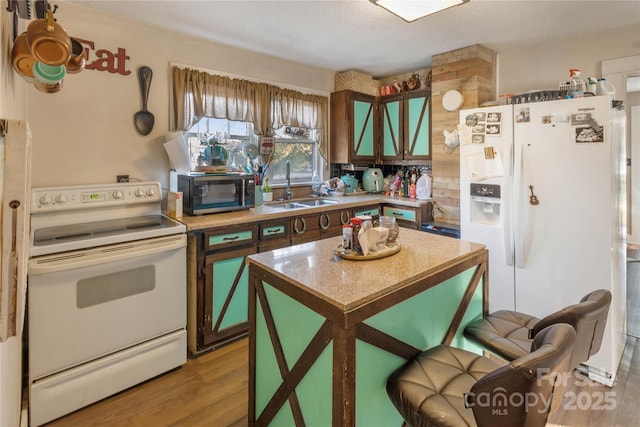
(508, 333)
(447, 386)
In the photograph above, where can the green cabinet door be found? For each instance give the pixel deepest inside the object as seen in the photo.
(226, 296)
(363, 125)
(417, 139)
(405, 126)
(392, 132)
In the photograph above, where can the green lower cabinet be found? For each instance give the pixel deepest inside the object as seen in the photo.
(420, 321)
(226, 296)
(225, 273)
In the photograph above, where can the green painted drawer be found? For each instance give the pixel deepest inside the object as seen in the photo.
(370, 211)
(274, 230)
(402, 214)
(224, 240)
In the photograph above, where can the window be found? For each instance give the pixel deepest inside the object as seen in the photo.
(198, 94)
(229, 140)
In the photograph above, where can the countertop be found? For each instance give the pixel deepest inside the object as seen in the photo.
(264, 212)
(352, 283)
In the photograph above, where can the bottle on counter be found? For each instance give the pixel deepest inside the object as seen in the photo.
(405, 184)
(423, 186)
(347, 238)
(412, 185)
(603, 87)
(577, 84)
(356, 224)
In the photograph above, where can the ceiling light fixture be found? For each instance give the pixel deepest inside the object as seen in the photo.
(410, 10)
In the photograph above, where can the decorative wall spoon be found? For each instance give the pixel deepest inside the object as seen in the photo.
(143, 119)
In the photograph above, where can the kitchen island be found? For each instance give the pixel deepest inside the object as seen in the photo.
(325, 332)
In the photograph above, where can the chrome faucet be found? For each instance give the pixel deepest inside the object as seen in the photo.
(287, 195)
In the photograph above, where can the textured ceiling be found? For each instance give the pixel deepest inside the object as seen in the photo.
(344, 35)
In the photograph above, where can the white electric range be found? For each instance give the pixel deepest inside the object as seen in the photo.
(106, 294)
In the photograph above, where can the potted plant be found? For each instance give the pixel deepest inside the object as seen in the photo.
(267, 193)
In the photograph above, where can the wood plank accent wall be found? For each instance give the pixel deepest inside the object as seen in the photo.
(472, 71)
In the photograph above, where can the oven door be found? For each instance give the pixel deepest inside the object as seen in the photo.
(90, 303)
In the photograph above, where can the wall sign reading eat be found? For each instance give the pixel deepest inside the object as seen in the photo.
(104, 60)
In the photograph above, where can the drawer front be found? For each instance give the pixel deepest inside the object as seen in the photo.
(274, 231)
(401, 214)
(304, 224)
(226, 240)
(372, 211)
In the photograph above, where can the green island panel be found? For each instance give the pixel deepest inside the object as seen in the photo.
(474, 312)
(373, 366)
(315, 390)
(268, 377)
(296, 326)
(421, 321)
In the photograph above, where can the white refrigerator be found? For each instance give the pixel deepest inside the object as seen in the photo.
(543, 186)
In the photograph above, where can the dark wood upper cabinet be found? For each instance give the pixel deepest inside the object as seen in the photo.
(353, 127)
(405, 127)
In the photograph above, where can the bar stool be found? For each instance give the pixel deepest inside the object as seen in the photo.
(448, 386)
(508, 333)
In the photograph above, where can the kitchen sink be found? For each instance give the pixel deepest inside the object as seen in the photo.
(300, 204)
(317, 202)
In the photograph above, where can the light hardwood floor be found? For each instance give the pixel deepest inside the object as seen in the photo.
(211, 390)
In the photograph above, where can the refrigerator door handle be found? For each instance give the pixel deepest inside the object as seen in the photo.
(519, 235)
(507, 229)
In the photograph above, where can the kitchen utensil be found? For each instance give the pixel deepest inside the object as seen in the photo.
(373, 180)
(78, 59)
(24, 9)
(143, 119)
(49, 74)
(48, 42)
(48, 87)
(22, 59)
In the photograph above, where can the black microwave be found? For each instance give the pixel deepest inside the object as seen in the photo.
(211, 193)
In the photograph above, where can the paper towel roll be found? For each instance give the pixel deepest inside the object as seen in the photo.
(178, 152)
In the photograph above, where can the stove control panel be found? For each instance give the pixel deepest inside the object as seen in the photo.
(90, 196)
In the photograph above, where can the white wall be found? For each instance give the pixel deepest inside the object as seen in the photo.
(543, 66)
(85, 133)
